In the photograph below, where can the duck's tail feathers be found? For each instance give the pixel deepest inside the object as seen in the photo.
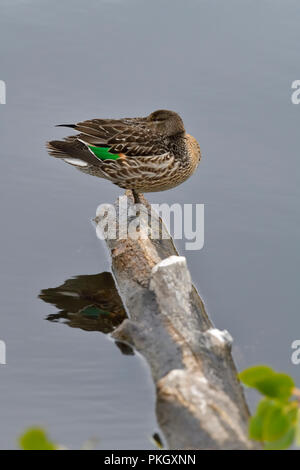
(71, 151)
(72, 126)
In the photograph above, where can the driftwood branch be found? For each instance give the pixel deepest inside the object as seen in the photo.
(200, 403)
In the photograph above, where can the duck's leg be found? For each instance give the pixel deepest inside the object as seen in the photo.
(136, 197)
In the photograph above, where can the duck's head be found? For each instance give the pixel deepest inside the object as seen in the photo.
(166, 122)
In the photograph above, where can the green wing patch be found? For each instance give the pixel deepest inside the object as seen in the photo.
(103, 153)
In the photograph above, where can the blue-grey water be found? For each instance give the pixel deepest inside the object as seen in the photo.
(227, 68)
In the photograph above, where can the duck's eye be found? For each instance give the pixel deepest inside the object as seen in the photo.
(158, 117)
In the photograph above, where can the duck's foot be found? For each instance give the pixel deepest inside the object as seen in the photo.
(136, 197)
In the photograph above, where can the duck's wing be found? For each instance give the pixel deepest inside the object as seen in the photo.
(99, 131)
(110, 140)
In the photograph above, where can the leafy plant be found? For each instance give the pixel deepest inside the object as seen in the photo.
(36, 439)
(276, 422)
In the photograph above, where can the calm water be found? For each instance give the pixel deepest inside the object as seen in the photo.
(227, 67)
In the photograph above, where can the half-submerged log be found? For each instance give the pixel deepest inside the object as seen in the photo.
(200, 403)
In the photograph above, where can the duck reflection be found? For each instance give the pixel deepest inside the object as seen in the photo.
(89, 302)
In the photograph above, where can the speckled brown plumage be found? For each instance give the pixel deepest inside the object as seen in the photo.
(147, 154)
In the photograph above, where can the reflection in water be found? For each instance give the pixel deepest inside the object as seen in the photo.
(89, 302)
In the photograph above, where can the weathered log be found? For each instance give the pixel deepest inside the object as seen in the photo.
(200, 403)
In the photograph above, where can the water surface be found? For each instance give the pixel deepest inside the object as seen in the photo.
(227, 68)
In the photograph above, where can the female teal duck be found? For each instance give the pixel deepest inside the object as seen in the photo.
(147, 154)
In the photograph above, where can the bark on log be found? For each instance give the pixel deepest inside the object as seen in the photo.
(200, 403)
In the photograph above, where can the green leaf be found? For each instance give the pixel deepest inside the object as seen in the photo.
(36, 439)
(272, 420)
(276, 423)
(252, 375)
(278, 386)
(256, 421)
(297, 430)
(283, 443)
(268, 382)
(292, 411)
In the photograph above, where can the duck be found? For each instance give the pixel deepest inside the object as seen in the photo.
(143, 154)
